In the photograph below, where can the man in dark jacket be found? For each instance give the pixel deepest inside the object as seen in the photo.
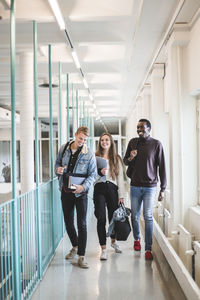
(146, 157)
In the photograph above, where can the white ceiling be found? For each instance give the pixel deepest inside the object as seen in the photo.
(116, 41)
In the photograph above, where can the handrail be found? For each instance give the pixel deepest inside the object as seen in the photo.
(51, 224)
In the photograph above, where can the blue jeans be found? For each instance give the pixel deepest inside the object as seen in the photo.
(147, 195)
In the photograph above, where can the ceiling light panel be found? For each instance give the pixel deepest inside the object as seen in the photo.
(104, 53)
(57, 13)
(104, 77)
(108, 103)
(108, 8)
(105, 93)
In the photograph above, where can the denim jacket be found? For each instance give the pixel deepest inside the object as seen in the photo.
(85, 164)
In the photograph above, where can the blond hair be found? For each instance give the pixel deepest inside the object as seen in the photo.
(84, 129)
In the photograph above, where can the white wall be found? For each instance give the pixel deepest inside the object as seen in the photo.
(5, 134)
(189, 136)
(193, 62)
(184, 130)
(131, 126)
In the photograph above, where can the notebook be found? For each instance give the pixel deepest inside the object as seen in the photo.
(75, 180)
(101, 162)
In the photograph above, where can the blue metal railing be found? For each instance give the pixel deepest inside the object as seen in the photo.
(29, 260)
(6, 251)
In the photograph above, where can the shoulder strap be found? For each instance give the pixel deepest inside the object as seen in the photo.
(64, 149)
(136, 143)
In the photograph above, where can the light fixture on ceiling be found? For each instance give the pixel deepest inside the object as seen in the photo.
(57, 13)
(91, 97)
(76, 61)
(85, 83)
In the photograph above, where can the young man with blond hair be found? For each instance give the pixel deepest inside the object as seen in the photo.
(75, 158)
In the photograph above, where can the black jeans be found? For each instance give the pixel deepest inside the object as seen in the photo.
(105, 194)
(69, 201)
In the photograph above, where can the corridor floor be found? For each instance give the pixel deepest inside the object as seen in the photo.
(122, 277)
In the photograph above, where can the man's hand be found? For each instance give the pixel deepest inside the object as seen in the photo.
(60, 170)
(161, 196)
(133, 154)
(79, 189)
(120, 200)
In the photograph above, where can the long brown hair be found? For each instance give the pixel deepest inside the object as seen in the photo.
(112, 155)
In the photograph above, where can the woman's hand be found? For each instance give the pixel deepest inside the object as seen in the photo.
(104, 171)
(120, 200)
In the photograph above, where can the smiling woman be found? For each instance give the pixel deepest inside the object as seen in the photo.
(109, 189)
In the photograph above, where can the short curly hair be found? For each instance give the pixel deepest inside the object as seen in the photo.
(84, 129)
(147, 122)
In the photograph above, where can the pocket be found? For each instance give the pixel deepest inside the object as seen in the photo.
(82, 165)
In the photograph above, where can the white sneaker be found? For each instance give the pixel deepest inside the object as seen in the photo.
(103, 255)
(72, 253)
(81, 262)
(116, 247)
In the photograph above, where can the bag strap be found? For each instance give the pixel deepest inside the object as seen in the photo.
(64, 149)
(135, 144)
(122, 206)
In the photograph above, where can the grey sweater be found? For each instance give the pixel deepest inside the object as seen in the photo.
(148, 163)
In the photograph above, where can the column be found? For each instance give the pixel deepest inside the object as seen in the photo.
(138, 108)
(64, 117)
(131, 125)
(120, 137)
(146, 102)
(26, 122)
(159, 115)
(159, 118)
(181, 141)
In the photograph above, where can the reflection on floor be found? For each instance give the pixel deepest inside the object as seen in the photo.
(122, 277)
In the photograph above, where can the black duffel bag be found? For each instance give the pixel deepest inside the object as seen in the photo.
(122, 229)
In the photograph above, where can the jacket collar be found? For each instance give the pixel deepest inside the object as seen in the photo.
(84, 149)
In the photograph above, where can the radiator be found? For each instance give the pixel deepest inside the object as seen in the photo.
(194, 215)
(185, 251)
(161, 216)
(167, 223)
(196, 246)
(167, 199)
(189, 287)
